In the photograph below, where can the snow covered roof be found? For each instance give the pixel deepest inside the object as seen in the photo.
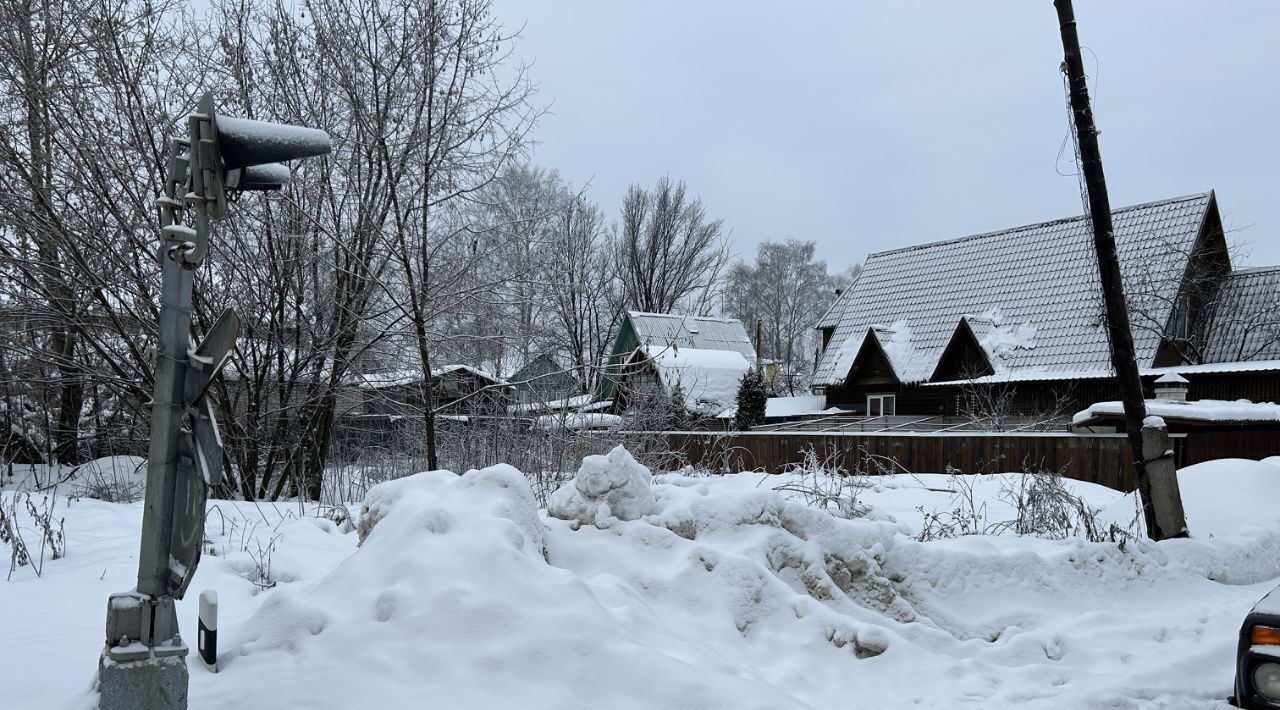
(1041, 279)
(787, 407)
(832, 317)
(1216, 367)
(694, 332)
(1243, 324)
(1001, 341)
(576, 403)
(397, 378)
(1171, 378)
(908, 362)
(1034, 374)
(1204, 410)
(708, 378)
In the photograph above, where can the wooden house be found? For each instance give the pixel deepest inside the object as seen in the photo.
(543, 380)
(701, 358)
(458, 390)
(926, 329)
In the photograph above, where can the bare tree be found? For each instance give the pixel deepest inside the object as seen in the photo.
(469, 114)
(81, 156)
(668, 253)
(1184, 295)
(585, 299)
(785, 290)
(994, 405)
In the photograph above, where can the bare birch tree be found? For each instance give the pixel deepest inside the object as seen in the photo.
(785, 290)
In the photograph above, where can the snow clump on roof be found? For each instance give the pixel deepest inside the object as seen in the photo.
(606, 489)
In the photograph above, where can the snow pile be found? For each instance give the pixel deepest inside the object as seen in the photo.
(1228, 495)
(431, 493)
(708, 378)
(605, 490)
(1203, 410)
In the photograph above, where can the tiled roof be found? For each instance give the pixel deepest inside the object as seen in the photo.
(1040, 278)
(693, 332)
(1244, 324)
(832, 317)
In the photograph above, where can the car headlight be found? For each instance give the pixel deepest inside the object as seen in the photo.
(1266, 680)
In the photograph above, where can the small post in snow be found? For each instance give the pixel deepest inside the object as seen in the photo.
(207, 641)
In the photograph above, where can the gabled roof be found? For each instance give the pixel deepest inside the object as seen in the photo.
(1244, 324)
(399, 378)
(895, 343)
(956, 360)
(693, 332)
(1041, 276)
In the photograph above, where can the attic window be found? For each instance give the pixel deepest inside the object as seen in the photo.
(691, 327)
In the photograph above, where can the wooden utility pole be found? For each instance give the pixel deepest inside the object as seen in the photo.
(1117, 312)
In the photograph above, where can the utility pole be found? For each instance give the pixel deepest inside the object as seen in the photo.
(143, 663)
(1157, 484)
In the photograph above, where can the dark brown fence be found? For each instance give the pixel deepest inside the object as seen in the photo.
(1227, 443)
(1096, 458)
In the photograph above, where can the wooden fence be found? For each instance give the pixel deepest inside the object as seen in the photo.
(1229, 443)
(1096, 458)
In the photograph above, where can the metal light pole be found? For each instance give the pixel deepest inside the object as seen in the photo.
(143, 664)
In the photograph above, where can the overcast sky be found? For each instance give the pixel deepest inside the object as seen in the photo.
(870, 125)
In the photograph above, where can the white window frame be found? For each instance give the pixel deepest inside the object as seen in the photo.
(884, 400)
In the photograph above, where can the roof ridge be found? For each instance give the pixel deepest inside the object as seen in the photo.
(684, 317)
(1035, 225)
(1253, 270)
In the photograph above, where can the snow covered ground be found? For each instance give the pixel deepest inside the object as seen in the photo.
(680, 592)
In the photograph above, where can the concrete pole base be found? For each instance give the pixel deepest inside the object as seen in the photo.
(152, 682)
(1166, 499)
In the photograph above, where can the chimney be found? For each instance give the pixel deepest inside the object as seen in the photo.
(759, 340)
(1172, 388)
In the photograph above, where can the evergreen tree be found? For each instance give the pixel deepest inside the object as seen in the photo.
(752, 396)
(678, 414)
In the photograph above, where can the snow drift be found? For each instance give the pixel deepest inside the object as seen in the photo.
(674, 591)
(643, 592)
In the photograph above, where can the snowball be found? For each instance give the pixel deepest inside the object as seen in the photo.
(606, 488)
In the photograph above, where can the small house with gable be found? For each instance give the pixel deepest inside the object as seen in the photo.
(701, 358)
(457, 390)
